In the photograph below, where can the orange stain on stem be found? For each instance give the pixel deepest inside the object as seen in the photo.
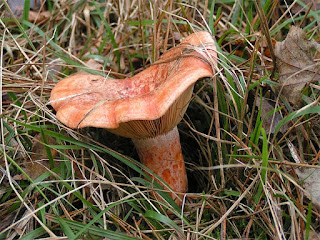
(163, 156)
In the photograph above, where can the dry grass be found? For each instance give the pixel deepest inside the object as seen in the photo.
(61, 183)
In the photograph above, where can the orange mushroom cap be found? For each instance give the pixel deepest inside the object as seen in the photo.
(145, 105)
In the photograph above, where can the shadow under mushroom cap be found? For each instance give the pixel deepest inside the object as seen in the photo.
(145, 105)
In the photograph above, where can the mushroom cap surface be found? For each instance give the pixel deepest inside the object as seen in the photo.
(148, 104)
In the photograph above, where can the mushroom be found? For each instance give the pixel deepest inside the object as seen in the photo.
(146, 107)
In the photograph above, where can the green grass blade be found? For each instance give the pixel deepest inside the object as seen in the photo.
(34, 234)
(26, 10)
(264, 165)
(265, 155)
(86, 228)
(94, 231)
(109, 32)
(308, 222)
(165, 220)
(66, 228)
(21, 28)
(211, 16)
(295, 114)
(48, 151)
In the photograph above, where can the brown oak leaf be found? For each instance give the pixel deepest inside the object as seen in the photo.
(296, 64)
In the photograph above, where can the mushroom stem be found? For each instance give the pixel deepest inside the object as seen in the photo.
(162, 154)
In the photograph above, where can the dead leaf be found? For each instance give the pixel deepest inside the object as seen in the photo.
(7, 220)
(91, 64)
(36, 17)
(295, 63)
(38, 162)
(310, 177)
(315, 6)
(311, 183)
(314, 235)
(17, 6)
(270, 121)
(19, 229)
